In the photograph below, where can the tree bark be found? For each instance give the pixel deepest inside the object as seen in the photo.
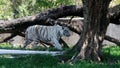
(95, 26)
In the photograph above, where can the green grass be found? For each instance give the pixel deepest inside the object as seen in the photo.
(5, 45)
(111, 59)
(43, 61)
(112, 54)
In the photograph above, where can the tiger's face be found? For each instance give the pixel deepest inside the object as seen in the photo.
(66, 31)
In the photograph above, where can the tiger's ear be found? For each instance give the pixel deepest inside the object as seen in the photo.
(63, 27)
(55, 24)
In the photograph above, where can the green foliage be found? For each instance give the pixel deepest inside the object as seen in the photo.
(42, 5)
(10, 9)
(5, 9)
(114, 3)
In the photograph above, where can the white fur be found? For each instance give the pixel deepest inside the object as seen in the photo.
(48, 34)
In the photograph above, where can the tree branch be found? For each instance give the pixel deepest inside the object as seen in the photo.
(8, 38)
(116, 41)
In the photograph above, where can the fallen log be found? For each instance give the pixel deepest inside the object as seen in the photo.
(11, 26)
(74, 26)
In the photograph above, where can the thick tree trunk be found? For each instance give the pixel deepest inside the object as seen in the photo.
(95, 26)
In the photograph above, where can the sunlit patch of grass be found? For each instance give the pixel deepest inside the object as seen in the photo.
(5, 45)
(9, 46)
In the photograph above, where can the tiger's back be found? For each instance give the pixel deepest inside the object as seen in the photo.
(43, 33)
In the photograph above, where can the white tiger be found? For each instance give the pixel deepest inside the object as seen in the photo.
(47, 34)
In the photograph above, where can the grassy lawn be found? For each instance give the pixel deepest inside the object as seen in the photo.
(111, 60)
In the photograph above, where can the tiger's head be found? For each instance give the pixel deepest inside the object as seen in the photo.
(66, 31)
(63, 30)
